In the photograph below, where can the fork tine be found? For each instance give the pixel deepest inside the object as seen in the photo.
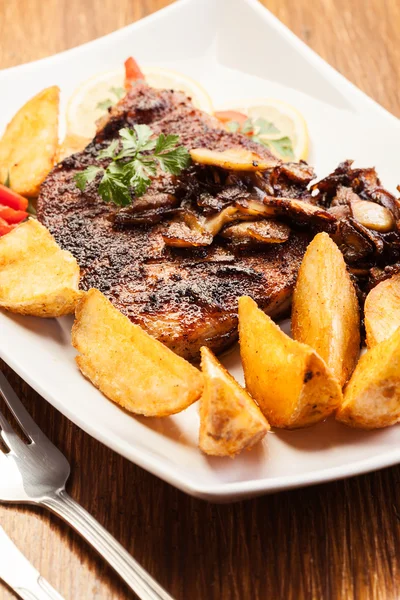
(8, 434)
(20, 413)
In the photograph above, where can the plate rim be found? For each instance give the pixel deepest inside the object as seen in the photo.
(224, 491)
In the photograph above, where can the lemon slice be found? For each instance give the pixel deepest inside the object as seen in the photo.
(284, 122)
(90, 100)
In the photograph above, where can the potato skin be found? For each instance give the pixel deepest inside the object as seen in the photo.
(130, 367)
(372, 396)
(29, 146)
(290, 382)
(230, 420)
(382, 311)
(325, 313)
(36, 277)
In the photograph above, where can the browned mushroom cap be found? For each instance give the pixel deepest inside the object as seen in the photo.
(233, 159)
(372, 215)
(300, 211)
(186, 231)
(300, 172)
(152, 207)
(265, 232)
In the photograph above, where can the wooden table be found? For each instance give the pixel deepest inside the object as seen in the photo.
(340, 540)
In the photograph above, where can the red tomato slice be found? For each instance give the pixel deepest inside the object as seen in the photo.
(230, 115)
(12, 199)
(12, 216)
(132, 72)
(5, 227)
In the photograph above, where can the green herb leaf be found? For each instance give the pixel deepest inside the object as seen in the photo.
(134, 166)
(86, 176)
(264, 127)
(105, 104)
(174, 161)
(113, 186)
(31, 210)
(136, 140)
(7, 182)
(119, 92)
(110, 151)
(165, 143)
(232, 126)
(247, 126)
(283, 146)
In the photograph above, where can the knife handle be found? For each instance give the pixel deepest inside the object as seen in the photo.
(22, 577)
(38, 590)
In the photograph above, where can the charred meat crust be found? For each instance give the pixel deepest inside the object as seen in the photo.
(185, 298)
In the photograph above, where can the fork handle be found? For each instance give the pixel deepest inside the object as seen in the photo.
(144, 586)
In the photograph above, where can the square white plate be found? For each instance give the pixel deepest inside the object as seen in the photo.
(235, 48)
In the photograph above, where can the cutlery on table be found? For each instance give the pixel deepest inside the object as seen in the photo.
(36, 473)
(18, 573)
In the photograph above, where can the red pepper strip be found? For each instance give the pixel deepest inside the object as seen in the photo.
(5, 227)
(12, 199)
(132, 72)
(12, 216)
(230, 115)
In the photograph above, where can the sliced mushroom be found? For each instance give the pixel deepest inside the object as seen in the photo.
(234, 159)
(340, 212)
(344, 196)
(354, 245)
(299, 211)
(215, 223)
(253, 207)
(186, 231)
(300, 172)
(372, 215)
(266, 232)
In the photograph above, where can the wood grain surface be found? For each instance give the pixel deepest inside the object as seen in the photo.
(336, 541)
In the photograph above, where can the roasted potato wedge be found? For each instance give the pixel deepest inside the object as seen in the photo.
(36, 276)
(372, 396)
(127, 364)
(229, 418)
(325, 311)
(382, 311)
(29, 146)
(290, 382)
(234, 159)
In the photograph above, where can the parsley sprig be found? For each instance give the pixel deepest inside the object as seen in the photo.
(118, 92)
(258, 130)
(135, 157)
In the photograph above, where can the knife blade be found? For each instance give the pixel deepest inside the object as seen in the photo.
(20, 575)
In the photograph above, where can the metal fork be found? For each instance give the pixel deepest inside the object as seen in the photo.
(36, 473)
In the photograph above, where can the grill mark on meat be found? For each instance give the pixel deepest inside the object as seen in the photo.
(186, 298)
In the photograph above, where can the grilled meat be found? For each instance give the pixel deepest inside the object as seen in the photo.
(184, 297)
(163, 262)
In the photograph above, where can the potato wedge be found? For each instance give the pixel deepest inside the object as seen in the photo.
(230, 420)
(382, 311)
(325, 312)
(234, 159)
(290, 382)
(36, 276)
(372, 396)
(29, 145)
(129, 366)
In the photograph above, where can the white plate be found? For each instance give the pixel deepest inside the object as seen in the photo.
(235, 48)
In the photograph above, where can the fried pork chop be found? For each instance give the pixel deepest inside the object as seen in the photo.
(185, 297)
